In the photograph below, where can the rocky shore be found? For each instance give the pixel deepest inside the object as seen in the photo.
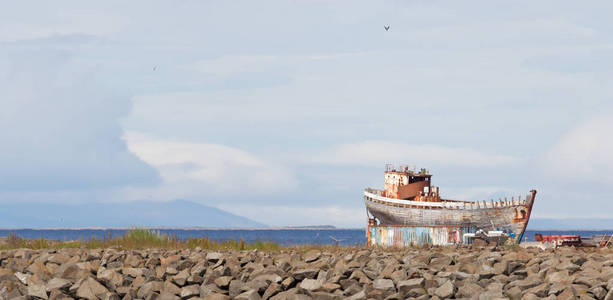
(328, 273)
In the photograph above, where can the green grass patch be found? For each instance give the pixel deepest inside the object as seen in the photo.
(137, 238)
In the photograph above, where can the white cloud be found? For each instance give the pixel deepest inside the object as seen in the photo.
(584, 153)
(378, 153)
(212, 167)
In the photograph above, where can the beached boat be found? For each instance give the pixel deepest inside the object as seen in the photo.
(409, 210)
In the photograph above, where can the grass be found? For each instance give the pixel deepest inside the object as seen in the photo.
(137, 238)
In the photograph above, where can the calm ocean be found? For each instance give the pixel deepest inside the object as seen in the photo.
(284, 237)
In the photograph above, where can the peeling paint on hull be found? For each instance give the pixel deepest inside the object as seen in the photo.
(404, 222)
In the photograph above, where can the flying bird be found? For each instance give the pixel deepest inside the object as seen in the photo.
(154, 68)
(336, 240)
(386, 27)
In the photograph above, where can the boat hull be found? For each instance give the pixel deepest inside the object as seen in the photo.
(443, 222)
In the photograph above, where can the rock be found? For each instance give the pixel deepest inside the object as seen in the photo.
(310, 284)
(572, 268)
(22, 277)
(90, 288)
(248, 295)
(567, 294)
(110, 278)
(384, 285)
(446, 290)
(287, 283)
(326, 296)
(361, 295)
(235, 287)
(470, 289)
(406, 285)
(57, 284)
(214, 256)
(539, 290)
(312, 255)
(181, 278)
(148, 288)
(257, 285)
(132, 272)
(530, 296)
(170, 287)
(37, 291)
(598, 292)
(330, 287)
(223, 281)
(168, 296)
(273, 289)
(71, 271)
(108, 296)
(301, 274)
(190, 291)
(562, 276)
(513, 293)
(216, 296)
(57, 295)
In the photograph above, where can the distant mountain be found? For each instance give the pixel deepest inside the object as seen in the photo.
(570, 224)
(178, 213)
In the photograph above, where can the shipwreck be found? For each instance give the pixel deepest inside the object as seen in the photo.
(410, 211)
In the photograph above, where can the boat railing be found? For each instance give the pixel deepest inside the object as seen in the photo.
(378, 195)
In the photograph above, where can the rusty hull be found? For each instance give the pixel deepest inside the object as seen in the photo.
(421, 222)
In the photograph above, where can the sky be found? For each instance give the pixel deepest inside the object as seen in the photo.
(284, 111)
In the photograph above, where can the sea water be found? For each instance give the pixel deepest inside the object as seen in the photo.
(285, 237)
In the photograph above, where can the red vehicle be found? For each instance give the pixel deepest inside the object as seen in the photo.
(559, 240)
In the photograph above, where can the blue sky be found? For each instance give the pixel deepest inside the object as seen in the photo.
(283, 111)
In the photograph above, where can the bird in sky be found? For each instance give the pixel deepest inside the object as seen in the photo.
(386, 27)
(155, 67)
(336, 240)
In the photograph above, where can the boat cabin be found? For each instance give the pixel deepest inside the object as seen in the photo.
(403, 183)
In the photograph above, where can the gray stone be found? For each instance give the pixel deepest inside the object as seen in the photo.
(301, 274)
(567, 294)
(148, 288)
(326, 296)
(310, 284)
(190, 291)
(384, 285)
(446, 290)
(181, 278)
(598, 292)
(469, 290)
(273, 289)
(513, 293)
(170, 287)
(406, 285)
(168, 296)
(214, 256)
(312, 255)
(108, 296)
(90, 288)
(249, 295)
(530, 296)
(57, 284)
(361, 295)
(110, 278)
(540, 290)
(37, 291)
(216, 296)
(223, 281)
